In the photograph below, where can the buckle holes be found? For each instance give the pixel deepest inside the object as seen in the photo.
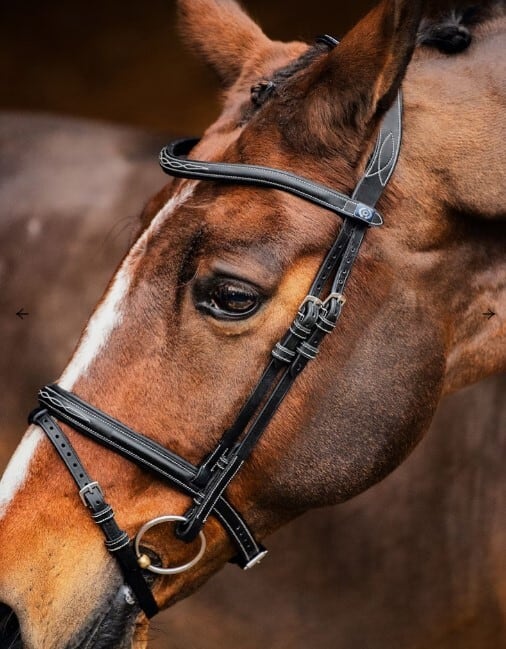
(81, 475)
(69, 454)
(57, 436)
(74, 465)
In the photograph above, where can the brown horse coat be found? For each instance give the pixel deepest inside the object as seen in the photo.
(371, 436)
(384, 557)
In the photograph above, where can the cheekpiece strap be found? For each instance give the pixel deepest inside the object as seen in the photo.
(315, 319)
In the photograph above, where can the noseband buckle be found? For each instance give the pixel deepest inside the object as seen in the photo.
(91, 489)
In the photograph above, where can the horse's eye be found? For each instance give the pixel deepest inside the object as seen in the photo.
(227, 299)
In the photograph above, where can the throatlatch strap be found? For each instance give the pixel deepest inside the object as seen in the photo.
(116, 540)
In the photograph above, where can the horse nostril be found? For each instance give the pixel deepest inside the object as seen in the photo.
(10, 633)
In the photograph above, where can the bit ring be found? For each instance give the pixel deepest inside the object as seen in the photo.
(166, 571)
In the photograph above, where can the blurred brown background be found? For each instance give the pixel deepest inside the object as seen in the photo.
(124, 61)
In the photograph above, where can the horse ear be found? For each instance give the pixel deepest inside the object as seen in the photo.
(357, 82)
(377, 52)
(222, 33)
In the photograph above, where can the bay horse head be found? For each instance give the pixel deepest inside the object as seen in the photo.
(230, 274)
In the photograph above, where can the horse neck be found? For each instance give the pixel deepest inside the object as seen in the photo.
(453, 114)
(449, 174)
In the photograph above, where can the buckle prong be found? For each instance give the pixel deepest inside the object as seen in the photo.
(335, 296)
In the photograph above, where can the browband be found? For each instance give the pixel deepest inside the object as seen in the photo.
(174, 162)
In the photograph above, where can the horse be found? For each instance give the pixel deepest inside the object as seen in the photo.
(351, 438)
(362, 543)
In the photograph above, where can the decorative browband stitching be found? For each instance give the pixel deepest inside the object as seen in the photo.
(173, 162)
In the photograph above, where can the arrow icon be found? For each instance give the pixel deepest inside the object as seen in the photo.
(21, 313)
(489, 314)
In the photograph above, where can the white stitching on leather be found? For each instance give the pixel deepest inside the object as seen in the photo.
(142, 442)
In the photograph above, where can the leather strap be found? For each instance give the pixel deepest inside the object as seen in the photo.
(301, 344)
(149, 455)
(174, 162)
(116, 540)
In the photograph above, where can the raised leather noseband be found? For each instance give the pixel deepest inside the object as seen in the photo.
(317, 316)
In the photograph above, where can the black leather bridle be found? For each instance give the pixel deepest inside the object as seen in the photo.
(318, 314)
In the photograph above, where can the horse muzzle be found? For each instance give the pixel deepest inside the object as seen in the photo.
(113, 625)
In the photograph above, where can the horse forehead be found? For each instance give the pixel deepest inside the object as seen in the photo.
(242, 216)
(166, 213)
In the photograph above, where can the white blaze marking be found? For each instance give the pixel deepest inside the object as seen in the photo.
(17, 469)
(108, 316)
(110, 313)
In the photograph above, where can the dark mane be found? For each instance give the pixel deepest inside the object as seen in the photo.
(286, 73)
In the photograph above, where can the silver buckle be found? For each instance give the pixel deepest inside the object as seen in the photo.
(335, 296)
(88, 489)
(310, 298)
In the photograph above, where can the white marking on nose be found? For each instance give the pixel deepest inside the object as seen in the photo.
(110, 313)
(17, 470)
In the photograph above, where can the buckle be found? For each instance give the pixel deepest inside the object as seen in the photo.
(335, 296)
(309, 315)
(310, 299)
(331, 311)
(88, 490)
